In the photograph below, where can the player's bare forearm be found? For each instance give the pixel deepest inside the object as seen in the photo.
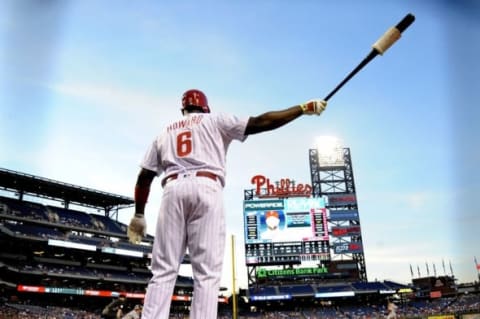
(139, 208)
(272, 120)
(138, 226)
(142, 190)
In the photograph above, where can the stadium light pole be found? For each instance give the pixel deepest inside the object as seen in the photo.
(234, 295)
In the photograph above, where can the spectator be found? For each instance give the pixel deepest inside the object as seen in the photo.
(114, 310)
(134, 314)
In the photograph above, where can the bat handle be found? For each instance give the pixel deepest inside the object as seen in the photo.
(364, 62)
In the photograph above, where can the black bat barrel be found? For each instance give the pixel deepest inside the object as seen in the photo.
(405, 23)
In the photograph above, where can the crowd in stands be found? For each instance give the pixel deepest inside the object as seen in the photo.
(14, 311)
(412, 309)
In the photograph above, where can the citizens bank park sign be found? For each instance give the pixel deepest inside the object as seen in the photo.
(283, 188)
(272, 273)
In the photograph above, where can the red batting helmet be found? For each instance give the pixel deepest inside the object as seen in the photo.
(195, 98)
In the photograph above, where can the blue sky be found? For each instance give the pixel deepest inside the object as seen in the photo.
(86, 85)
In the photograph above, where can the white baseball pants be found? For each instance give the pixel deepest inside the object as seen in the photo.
(191, 215)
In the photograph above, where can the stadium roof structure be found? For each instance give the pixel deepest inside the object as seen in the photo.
(26, 184)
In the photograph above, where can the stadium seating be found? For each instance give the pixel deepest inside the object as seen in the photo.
(42, 232)
(373, 286)
(334, 288)
(24, 209)
(300, 290)
(36, 212)
(72, 217)
(109, 225)
(263, 291)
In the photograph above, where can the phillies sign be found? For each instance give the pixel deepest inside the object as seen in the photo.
(283, 188)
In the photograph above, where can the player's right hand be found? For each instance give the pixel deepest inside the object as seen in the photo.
(316, 106)
(136, 229)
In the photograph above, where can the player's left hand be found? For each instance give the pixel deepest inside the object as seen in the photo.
(136, 229)
(316, 106)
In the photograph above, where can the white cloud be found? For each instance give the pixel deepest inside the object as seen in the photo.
(114, 97)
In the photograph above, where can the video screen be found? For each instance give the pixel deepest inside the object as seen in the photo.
(285, 220)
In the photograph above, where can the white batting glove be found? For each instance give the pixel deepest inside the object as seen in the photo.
(316, 106)
(137, 229)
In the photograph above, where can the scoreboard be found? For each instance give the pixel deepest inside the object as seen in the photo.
(285, 231)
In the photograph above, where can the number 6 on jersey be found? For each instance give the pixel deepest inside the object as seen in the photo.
(184, 143)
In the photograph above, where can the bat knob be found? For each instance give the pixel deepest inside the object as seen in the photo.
(405, 23)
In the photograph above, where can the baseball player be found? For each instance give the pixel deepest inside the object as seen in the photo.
(190, 153)
(392, 310)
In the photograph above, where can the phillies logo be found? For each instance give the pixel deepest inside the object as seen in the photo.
(284, 188)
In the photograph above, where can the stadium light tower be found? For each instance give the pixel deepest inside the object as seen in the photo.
(332, 177)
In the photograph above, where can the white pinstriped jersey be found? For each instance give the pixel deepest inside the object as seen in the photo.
(199, 141)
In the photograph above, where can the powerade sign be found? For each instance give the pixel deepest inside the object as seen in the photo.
(253, 205)
(273, 273)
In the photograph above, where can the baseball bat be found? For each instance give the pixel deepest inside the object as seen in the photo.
(379, 47)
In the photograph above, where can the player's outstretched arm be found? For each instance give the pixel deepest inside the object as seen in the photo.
(137, 227)
(275, 119)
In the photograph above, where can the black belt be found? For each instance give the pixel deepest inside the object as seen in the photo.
(173, 177)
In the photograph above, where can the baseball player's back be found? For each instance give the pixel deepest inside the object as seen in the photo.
(191, 153)
(196, 142)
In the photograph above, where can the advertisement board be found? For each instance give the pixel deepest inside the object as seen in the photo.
(290, 272)
(346, 231)
(336, 200)
(343, 215)
(348, 248)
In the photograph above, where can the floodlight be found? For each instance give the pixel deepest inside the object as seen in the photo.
(330, 151)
